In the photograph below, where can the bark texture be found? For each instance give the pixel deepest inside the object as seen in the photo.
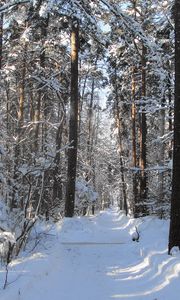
(143, 139)
(174, 234)
(1, 38)
(73, 123)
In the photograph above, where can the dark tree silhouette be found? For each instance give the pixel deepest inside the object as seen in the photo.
(174, 234)
(1, 38)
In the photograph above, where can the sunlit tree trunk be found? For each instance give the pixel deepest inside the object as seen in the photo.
(81, 97)
(90, 136)
(73, 123)
(18, 150)
(119, 125)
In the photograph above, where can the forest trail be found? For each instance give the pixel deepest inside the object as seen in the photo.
(94, 258)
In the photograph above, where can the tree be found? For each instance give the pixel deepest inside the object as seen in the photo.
(1, 38)
(118, 118)
(143, 138)
(35, 93)
(73, 122)
(174, 233)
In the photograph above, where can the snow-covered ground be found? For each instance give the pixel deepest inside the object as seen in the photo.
(94, 258)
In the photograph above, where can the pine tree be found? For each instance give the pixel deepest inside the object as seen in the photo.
(73, 123)
(174, 233)
(1, 38)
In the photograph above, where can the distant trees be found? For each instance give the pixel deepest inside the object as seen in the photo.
(145, 90)
(36, 88)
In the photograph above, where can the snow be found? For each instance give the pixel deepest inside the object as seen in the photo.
(6, 238)
(84, 193)
(95, 258)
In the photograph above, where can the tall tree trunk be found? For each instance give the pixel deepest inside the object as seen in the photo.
(174, 233)
(73, 123)
(22, 90)
(90, 127)
(95, 134)
(18, 147)
(161, 160)
(143, 139)
(89, 133)
(133, 117)
(170, 113)
(57, 184)
(1, 39)
(41, 96)
(81, 99)
(118, 124)
(134, 153)
(44, 32)
(44, 22)
(91, 137)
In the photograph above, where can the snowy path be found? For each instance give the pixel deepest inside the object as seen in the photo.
(94, 258)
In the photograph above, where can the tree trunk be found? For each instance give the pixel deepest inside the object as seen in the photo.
(73, 123)
(81, 99)
(18, 150)
(41, 96)
(44, 32)
(44, 22)
(1, 38)
(22, 90)
(174, 233)
(118, 123)
(57, 184)
(143, 139)
(90, 128)
(170, 114)
(134, 152)
(161, 161)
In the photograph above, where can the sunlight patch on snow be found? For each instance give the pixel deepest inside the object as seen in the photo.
(25, 259)
(137, 267)
(14, 271)
(125, 225)
(164, 281)
(161, 267)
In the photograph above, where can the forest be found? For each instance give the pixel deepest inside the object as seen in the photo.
(90, 126)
